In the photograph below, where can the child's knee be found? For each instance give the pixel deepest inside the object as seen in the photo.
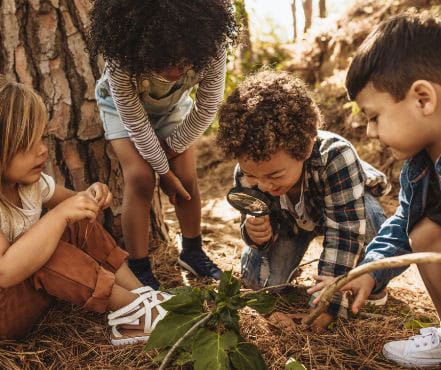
(425, 236)
(139, 181)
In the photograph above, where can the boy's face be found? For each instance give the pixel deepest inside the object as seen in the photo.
(275, 176)
(395, 124)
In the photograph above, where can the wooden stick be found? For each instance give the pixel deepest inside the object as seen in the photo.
(385, 263)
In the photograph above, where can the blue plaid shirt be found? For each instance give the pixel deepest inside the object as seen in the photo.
(334, 187)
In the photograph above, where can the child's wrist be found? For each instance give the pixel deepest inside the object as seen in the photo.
(59, 215)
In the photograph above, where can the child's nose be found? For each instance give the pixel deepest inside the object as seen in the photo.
(372, 130)
(42, 150)
(265, 186)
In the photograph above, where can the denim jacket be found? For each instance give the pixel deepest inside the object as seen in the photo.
(393, 237)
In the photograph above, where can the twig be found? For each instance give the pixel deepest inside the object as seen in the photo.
(185, 336)
(279, 286)
(391, 262)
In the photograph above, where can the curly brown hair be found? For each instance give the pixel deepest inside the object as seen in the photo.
(150, 35)
(268, 112)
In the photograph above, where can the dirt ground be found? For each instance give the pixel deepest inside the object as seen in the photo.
(408, 296)
(71, 338)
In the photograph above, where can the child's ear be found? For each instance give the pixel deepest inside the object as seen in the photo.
(424, 94)
(311, 147)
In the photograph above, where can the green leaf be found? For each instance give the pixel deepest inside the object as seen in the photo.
(246, 356)
(210, 349)
(236, 302)
(160, 356)
(191, 302)
(183, 358)
(262, 302)
(355, 109)
(172, 327)
(230, 319)
(416, 324)
(179, 290)
(210, 294)
(229, 285)
(293, 364)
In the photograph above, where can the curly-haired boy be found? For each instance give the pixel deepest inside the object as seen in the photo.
(269, 124)
(156, 52)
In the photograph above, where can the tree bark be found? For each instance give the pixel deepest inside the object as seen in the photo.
(307, 10)
(294, 19)
(245, 48)
(322, 8)
(43, 44)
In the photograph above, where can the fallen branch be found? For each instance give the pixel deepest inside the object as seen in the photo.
(391, 262)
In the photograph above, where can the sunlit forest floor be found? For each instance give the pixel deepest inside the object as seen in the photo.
(71, 338)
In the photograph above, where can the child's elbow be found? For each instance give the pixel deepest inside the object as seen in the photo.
(4, 283)
(6, 280)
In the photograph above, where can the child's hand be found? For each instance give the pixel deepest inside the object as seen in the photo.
(101, 194)
(324, 282)
(259, 229)
(361, 288)
(77, 208)
(288, 321)
(173, 187)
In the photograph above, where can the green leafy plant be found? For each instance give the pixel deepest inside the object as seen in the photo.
(202, 327)
(417, 324)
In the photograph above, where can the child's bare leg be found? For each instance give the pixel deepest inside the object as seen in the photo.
(120, 297)
(426, 237)
(188, 211)
(139, 184)
(125, 278)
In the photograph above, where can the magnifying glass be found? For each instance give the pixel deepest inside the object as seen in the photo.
(250, 201)
(254, 202)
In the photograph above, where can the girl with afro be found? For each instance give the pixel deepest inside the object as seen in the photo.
(156, 52)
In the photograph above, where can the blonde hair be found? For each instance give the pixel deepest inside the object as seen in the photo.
(23, 119)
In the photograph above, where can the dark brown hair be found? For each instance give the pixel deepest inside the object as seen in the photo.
(268, 112)
(150, 35)
(401, 50)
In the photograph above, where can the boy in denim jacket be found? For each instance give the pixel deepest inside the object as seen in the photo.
(269, 124)
(395, 78)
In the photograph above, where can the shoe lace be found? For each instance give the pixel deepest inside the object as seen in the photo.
(428, 337)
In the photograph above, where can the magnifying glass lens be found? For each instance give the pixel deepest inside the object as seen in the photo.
(248, 203)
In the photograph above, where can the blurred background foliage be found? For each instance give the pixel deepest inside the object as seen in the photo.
(315, 39)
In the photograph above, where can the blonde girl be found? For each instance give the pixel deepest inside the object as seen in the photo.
(64, 254)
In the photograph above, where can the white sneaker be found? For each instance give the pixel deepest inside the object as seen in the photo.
(422, 350)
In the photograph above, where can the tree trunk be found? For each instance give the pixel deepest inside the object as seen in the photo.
(245, 48)
(322, 8)
(294, 19)
(42, 44)
(307, 10)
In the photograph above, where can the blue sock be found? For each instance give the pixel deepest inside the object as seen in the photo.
(191, 243)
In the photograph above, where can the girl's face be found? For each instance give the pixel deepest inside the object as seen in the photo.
(25, 167)
(172, 74)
